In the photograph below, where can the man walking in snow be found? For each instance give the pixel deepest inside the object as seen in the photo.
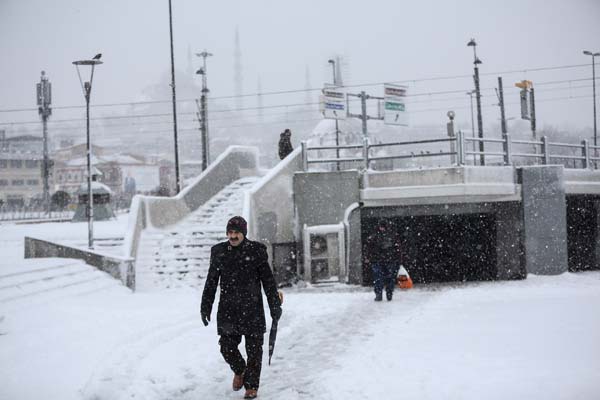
(384, 256)
(240, 266)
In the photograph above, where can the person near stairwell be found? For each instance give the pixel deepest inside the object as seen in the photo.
(285, 144)
(240, 267)
(384, 250)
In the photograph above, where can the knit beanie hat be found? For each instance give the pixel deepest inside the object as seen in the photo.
(238, 224)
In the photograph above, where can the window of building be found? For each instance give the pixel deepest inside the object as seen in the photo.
(16, 163)
(18, 182)
(3, 163)
(33, 182)
(31, 163)
(3, 182)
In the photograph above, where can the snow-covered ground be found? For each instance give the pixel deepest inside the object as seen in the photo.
(532, 339)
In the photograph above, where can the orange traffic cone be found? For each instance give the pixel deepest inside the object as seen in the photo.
(403, 280)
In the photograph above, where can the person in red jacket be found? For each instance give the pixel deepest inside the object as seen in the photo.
(240, 266)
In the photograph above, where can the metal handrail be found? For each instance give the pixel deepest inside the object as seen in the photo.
(422, 141)
(488, 140)
(353, 146)
(516, 141)
(458, 151)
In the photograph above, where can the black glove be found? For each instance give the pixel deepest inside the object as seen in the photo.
(205, 318)
(276, 314)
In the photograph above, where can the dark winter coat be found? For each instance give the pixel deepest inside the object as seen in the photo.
(241, 270)
(285, 145)
(384, 246)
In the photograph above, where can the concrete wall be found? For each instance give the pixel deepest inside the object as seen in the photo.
(270, 209)
(354, 247)
(234, 163)
(544, 219)
(160, 212)
(509, 242)
(321, 198)
(117, 267)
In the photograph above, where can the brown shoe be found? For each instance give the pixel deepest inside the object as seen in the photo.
(238, 382)
(251, 394)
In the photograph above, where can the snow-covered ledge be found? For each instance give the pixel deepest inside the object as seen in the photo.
(160, 212)
(273, 193)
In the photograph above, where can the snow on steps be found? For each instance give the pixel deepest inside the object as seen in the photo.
(180, 255)
(42, 279)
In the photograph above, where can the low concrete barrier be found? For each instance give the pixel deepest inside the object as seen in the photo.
(160, 212)
(118, 267)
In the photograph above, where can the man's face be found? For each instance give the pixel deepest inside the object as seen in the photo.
(235, 237)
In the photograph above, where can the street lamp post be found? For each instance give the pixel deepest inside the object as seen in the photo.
(174, 101)
(204, 110)
(87, 90)
(476, 62)
(337, 129)
(594, 55)
(44, 99)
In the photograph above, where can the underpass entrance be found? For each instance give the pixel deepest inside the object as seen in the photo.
(440, 248)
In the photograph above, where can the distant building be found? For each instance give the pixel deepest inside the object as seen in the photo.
(20, 178)
(21, 144)
(116, 170)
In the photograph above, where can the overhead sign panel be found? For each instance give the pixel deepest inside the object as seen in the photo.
(394, 104)
(334, 103)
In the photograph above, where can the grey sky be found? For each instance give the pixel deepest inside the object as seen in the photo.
(381, 40)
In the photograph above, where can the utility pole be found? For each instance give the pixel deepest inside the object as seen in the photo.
(175, 140)
(532, 99)
(204, 110)
(364, 117)
(471, 93)
(44, 99)
(476, 62)
(337, 129)
(500, 94)
(594, 55)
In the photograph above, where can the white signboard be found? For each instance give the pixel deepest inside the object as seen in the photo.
(394, 104)
(334, 103)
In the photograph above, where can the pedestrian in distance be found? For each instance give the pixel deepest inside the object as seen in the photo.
(384, 250)
(285, 144)
(240, 266)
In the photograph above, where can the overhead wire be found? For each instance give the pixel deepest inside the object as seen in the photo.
(290, 91)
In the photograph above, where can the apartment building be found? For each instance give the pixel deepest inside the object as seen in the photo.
(20, 178)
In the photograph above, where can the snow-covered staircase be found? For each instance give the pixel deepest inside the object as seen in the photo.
(41, 279)
(180, 255)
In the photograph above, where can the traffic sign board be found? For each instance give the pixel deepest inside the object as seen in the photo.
(394, 104)
(334, 103)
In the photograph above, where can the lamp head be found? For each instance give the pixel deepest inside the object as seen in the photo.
(472, 43)
(451, 115)
(477, 61)
(200, 71)
(331, 61)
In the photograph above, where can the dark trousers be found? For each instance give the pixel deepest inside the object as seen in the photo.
(384, 275)
(233, 357)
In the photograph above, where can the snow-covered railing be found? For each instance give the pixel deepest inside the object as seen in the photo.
(28, 214)
(455, 150)
(161, 212)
